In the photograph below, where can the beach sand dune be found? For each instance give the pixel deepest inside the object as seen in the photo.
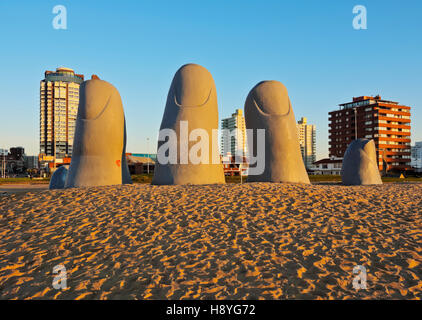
(249, 241)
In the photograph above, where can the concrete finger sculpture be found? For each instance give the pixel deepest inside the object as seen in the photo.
(360, 164)
(268, 107)
(58, 179)
(98, 157)
(190, 116)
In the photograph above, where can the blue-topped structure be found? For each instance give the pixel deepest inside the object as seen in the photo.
(152, 156)
(65, 75)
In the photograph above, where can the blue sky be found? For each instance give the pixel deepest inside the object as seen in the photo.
(310, 46)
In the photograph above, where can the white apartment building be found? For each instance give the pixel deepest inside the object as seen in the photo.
(328, 166)
(233, 135)
(307, 140)
(416, 156)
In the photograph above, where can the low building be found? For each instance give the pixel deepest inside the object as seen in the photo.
(3, 154)
(17, 153)
(328, 166)
(231, 168)
(31, 162)
(152, 156)
(50, 164)
(416, 157)
(14, 161)
(140, 165)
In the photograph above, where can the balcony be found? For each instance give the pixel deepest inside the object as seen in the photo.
(393, 139)
(396, 126)
(399, 113)
(388, 160)
(394, 119)
(397, 133)
(394, 153)
(393, 146)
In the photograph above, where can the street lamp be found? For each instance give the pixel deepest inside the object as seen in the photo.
(4, 163)
(3, 175)
(148, 155)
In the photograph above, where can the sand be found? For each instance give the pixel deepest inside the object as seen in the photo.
(19, 188)
(250, 241)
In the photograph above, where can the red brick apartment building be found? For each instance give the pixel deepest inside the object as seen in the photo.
(387, 122)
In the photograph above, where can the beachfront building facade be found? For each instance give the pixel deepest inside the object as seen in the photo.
(59, 99)
(13, 161)
(233, 135)
(386, 122)
(141, 163)
(416, 157)
(328, 166)
(31, 162)
(307, 140)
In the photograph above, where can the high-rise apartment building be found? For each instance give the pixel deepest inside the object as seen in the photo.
(233, 136)
(386, 122)
(59, 98)
(306, 133)
(416, 156)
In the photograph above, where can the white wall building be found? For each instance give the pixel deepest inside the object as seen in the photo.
(328, 166)
(307, 139)
(416, 156)
(233, 135)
